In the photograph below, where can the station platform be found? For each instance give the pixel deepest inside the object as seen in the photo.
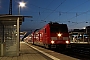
(32, 52)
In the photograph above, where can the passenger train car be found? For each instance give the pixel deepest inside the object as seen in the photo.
(52, 35)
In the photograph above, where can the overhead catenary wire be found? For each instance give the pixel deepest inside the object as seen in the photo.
(60, 13)
(79, 14)
(45, 8)
(55, 9)
(78, 5)
(76, 13)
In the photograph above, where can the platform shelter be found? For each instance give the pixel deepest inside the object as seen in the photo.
(10, 34)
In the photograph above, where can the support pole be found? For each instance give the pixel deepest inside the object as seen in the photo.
(18, 36)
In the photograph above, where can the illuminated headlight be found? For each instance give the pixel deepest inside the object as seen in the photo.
(52, 42)
(59, 34)
(67, 42)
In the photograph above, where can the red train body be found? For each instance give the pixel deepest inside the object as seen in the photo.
(53, 35)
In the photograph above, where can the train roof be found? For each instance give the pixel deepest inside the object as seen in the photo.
(56, 23)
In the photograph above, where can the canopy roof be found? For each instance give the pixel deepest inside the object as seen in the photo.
(12, 19)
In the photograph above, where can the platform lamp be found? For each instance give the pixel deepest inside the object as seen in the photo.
(21, 5)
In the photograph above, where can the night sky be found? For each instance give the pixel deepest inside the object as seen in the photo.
(74, 13)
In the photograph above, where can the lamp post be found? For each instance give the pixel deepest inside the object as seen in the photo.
(21, 5)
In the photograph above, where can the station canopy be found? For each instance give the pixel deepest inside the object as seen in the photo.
(12, 19)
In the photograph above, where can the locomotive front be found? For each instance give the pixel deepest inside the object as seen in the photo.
(59, 35)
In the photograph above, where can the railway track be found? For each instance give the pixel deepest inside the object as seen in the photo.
(80, 52)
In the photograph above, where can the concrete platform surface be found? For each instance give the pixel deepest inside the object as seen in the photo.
(31, 52)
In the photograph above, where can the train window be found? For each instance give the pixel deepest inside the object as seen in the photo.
(59, 28)
(45, 30)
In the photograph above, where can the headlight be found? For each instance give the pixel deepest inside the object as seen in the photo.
(67, 42)
(59, 34)
(52, 42)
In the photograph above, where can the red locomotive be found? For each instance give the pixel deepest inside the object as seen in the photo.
(52, 35)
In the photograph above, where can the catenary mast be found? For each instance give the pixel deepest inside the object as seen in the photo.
(10, 7)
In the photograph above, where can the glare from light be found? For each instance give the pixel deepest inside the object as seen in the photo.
(59, 34)
(84, 27)
(52, 42)
(80, 35)
(16, 34)
(14, 25)
(67, 42)
(22, 4)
